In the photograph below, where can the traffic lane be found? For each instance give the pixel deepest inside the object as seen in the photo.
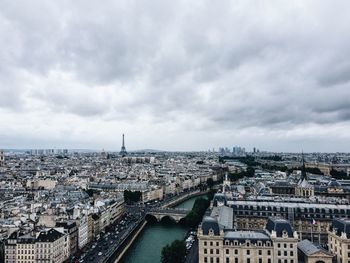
(109, 243)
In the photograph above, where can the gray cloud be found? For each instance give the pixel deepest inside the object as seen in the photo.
(236, 67)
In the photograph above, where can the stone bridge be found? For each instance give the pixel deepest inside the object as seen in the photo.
(174, 213)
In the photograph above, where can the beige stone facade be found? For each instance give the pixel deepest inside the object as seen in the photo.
(229, 246)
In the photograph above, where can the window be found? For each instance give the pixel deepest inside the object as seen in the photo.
(260, 252)
(205, 243)
(291, 253)
(291, 245)
(248, 252)
(227, 251)
(205, 260)
(285, 245)
(205, 251)
(269, 252)
(279, 252)
(278, 245)
(260, 260)
(236, 260)
(236, 251)
(217, 252)
(285, 253)
(227, 260)
(248, 260)
(217, 260)
(269, 260)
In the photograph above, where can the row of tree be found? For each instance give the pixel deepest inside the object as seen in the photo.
(132, 196)
(174, 253)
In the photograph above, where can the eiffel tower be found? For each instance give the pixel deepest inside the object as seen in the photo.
(123, 151)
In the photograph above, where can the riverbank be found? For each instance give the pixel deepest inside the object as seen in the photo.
(147, 247)
(130, 242)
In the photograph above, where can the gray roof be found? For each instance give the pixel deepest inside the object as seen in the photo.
(210, 223)
(341, 225)
(308, 248)
(224, 216)
(279, 225)
(246, 235)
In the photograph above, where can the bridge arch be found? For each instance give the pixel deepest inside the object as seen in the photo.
(167, 218)
(151, 218)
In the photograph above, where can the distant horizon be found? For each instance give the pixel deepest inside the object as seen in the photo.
(158, 150)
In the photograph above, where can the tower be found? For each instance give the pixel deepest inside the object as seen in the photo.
(303, 169)
(123, 151)
(2, 158)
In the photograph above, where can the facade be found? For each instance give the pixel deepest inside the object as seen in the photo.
(50, 246)
(71, 229)
(277, 243)
(45, 246)
(339, 239)
(83, 232)
(253, 215)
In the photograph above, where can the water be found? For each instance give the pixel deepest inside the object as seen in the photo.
(188, 204)
(148, 246)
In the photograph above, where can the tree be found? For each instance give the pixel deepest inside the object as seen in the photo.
(339, 174)
(132, 197)
(194, 217)
(210, 182)
(174, 253)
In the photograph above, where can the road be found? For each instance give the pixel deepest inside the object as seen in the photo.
(192, 256)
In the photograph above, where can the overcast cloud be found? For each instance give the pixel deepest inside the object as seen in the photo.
(175, 75)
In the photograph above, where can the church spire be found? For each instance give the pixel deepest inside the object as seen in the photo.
(303, 169)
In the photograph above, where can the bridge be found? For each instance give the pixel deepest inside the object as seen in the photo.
(174, 213)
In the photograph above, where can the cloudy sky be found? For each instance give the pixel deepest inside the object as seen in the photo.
(175, 75)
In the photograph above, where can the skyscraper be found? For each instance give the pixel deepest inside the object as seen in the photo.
(123, 151)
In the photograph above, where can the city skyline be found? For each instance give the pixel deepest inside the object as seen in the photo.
(175, 76)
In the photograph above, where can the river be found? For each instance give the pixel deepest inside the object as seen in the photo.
(148, 245)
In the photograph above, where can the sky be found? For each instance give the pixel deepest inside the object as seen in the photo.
(175, 75)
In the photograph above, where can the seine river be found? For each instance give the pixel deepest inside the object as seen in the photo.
(148, 245)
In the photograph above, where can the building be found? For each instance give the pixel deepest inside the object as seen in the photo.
(253, 215)
(83, 232)
(45, 246)
(2, 158)
(339, 239)
(70, 228)
(50, 246)
(304, 188)
(311, 253)
(277, 243)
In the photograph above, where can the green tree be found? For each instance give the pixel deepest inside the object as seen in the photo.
(339, 174)
(132, 196)
(174, 253)
(194, 217)
(210, 183)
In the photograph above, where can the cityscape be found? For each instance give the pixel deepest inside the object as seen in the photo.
(174, 131)
(59, 205)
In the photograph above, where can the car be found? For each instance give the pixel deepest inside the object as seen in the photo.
(99, 253)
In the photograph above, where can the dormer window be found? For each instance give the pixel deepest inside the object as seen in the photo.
(284, 233)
